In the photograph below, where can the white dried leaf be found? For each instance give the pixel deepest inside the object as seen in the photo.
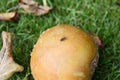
(7, 65)
(30, 6)
(9, 16)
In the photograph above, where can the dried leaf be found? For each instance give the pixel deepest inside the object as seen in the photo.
(30, 6)
(7, 65)
(9, 16)
(97, 40)
(28, 2)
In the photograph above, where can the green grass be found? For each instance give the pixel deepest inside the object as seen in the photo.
(97, 16)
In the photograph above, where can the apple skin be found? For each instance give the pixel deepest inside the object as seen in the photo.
(63, 52)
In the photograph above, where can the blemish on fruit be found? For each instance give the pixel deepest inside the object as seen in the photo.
(63, 38)
(80, 74)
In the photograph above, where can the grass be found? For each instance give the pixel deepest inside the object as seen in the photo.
(97, 16)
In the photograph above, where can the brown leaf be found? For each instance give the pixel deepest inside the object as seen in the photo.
(30, 6)
(97, 40)
(9, 16)
(7, 65)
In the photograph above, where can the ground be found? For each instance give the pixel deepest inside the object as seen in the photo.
(101, 17)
